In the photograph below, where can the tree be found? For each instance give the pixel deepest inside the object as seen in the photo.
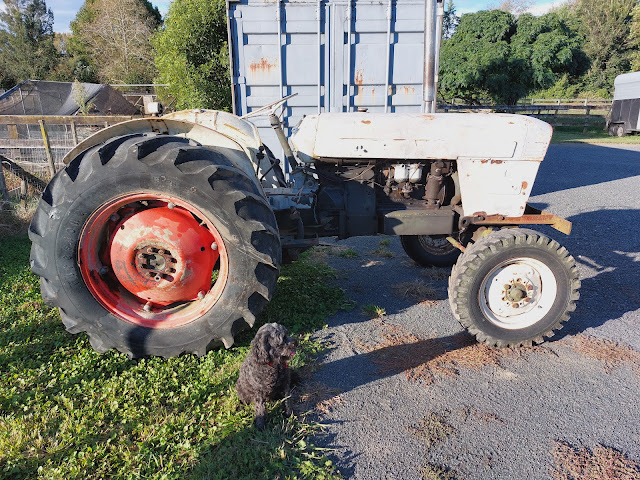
(111, 37)
(606, 26)
(26, 41)
(493, 54)
(635, 36)
(192, 54)
(450, 20)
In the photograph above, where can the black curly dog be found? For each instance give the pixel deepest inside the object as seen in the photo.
(265, 374)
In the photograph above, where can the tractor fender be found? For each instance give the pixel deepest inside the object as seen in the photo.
(240, 148)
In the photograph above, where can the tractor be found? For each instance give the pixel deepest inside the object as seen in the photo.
(165, 235)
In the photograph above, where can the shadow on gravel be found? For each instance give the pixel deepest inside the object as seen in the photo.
(402, 354)
(607, 241)
(571, 166)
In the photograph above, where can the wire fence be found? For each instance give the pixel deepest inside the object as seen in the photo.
(37, 144)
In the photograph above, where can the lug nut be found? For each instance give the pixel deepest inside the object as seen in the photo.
(103, 270)
(200, 295)
(114, 218)
(171, 205)
(214, 246)
(147, 307)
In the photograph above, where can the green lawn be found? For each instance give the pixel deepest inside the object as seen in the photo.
(574, 134)
(67, 412)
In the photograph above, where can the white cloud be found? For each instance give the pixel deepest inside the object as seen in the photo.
(545, 7)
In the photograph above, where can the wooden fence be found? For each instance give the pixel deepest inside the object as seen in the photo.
(36, 145)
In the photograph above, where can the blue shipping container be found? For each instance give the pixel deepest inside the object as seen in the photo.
(338, 56)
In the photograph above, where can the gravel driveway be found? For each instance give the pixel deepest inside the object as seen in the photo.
(409, 395)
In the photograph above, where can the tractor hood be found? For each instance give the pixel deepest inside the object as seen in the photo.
(451, 136)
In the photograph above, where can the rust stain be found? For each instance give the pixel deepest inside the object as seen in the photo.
(359, 80)
(484, 161)
(428, 117)
(408, 90)
(524, 188)
(262, 65)
(496, 162)
(366, 122)
(373, 96)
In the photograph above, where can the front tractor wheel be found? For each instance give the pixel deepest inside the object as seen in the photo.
(513, 287)
(155, 245)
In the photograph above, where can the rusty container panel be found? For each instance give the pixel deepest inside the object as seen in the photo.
(337, 56)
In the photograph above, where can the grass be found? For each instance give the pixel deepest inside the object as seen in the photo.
(382, 249)
(67, 412)
(374, 311)
(593, 135)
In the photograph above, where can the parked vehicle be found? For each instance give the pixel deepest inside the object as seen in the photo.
(624, 117)
(166, 235)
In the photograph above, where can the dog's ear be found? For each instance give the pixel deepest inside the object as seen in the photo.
(262, 348)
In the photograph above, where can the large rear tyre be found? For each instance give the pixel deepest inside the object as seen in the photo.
(430, 250)
(513, 287)
(155, 245)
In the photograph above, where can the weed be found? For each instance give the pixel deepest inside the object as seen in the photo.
(437, 472)
(382, 251)
(601, 463)
(418, 291)
(69, 412)
(437, 274)
(348, 253)
(432, 429)
(385, 242)
(374, 311)
(319, 397)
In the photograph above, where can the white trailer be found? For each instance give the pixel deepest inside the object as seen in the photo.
(624, 117)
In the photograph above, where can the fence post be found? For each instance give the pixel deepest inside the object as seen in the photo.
(586, 120)
(4, 194)
(74, 133)
(47, 147)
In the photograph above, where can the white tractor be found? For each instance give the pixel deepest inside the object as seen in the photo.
(165, 235)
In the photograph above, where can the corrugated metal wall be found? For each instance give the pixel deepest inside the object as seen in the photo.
(337, 56)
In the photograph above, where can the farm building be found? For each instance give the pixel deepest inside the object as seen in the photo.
(39, 97)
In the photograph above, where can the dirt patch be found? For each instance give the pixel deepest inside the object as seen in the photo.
(611, 353)
(419, 291)
(603, 463)
(428, 360)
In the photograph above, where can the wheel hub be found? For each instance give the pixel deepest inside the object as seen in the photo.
(163, 255)
(517, 293)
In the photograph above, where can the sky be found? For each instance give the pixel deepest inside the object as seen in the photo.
(65, 10)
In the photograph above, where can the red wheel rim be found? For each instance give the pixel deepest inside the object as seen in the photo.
(150, 259)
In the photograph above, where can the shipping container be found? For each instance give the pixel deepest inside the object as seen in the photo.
(337, 56)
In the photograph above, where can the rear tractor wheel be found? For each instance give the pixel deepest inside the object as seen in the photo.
(513, 287)
(430, 250)
(155, 245)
